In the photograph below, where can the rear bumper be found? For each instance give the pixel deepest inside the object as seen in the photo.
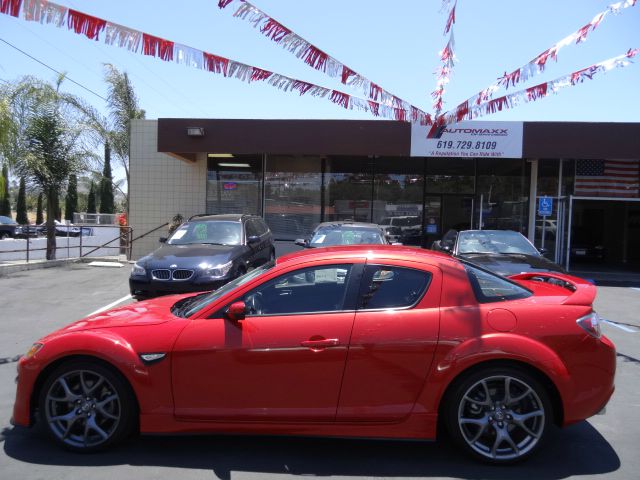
(594, 379)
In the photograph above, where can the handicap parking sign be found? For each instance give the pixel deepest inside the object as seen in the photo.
(545, 206)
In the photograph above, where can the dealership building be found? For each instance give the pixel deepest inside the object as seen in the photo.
(576, 184)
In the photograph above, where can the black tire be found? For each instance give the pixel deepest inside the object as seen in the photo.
(86, 406)
(500, 429)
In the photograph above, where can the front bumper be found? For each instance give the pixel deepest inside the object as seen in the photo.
(144, 287)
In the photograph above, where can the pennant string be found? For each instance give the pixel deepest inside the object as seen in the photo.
(309, 53)
(537, 64)
(47, 12)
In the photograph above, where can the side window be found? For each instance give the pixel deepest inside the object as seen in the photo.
(489, 287)
(392, 287)
(251, 228)
(308, 290)
(261, 227)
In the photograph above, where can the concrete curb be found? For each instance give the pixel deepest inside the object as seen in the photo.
(7, 270)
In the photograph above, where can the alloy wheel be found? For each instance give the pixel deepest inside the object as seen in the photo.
(82, 408)
(501, 418)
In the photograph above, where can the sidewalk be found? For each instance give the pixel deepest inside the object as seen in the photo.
(7, 267)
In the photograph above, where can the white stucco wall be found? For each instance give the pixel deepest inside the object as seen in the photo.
(160, 186)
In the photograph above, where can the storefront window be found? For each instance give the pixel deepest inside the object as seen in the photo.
(234, 184)
(397, 197)
(450, 175)
(348, 189)
(502, 194)
(293, 192)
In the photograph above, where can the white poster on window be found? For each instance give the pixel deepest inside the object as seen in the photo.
(469, 139)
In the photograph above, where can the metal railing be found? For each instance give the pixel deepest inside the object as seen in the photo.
(72, 241)
(96, 218)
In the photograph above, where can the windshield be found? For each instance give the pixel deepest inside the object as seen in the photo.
(191, 305)
(213, 232)
(494, 241)
(336, 235)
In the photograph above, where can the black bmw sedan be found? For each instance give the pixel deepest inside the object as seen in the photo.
(203, 254)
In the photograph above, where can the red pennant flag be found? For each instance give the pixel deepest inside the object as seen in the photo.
(82, 23)
(11, 7)
(157, 47)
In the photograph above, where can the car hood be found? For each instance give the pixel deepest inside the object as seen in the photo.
(185, 256)
(511, 263)
(150, 312)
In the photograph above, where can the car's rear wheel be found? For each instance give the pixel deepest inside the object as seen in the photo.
(86, 406)
(499, 415)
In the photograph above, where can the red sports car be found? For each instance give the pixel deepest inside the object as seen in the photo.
(362, 341)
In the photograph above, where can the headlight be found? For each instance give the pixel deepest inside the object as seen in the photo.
(137, 270)
(217, 271)
(35, 348)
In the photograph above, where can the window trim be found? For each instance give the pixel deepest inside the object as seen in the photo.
(481, 297)
(363, 286)
(350, 297)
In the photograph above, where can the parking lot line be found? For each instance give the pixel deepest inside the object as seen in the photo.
(111, 305)
(621, 326)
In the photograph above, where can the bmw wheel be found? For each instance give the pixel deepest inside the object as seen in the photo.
(499, 415)
(86, 406)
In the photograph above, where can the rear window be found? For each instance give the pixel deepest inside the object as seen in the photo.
(489, 287)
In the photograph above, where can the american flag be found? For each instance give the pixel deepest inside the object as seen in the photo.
(607, 178)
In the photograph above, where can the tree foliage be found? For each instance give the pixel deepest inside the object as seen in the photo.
(5, 198)
(105, 188)
(71, 200)
(21, 204)
(91, 199)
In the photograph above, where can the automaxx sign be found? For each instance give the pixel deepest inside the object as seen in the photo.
(469, 139)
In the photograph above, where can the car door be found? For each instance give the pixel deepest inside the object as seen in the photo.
(394, 338)
(283, 362)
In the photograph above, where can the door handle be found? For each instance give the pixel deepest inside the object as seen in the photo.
(320, 343)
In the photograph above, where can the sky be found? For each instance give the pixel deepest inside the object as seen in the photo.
(393, 43)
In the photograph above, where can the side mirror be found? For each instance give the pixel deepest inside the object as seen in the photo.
(301, 242)
(253, 239)
(162, 239)
(446, 249)
(236, 311)
(542, 250)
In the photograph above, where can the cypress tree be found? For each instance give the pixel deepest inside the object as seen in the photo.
(5, 204)
(105, 189)
(21, 206)
(39, 214)
(91, 200)
(71, 201)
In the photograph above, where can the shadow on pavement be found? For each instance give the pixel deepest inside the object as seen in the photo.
(577, 450)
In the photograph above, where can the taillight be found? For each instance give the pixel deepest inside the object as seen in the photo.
(591, 324)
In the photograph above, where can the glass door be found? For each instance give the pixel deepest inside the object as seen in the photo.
(234, 184)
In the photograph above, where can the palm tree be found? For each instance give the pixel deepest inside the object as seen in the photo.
(114, 131)
(122, 103)
(46, 143)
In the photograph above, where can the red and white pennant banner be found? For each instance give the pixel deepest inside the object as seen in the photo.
(447, 57)
(46, 12)
(468, 111)
(537, 64)
(317, 58)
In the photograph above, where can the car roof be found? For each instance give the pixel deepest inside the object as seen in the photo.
(344, 252)
(341, 223)
(228, 217)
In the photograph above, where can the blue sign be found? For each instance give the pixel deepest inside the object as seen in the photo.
(545, 206)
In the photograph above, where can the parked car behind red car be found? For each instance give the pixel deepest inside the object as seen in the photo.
(362, 341)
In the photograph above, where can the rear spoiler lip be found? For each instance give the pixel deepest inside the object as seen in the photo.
(585, 291)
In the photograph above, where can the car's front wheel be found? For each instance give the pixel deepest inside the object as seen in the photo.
(499, 414)
(86, 406)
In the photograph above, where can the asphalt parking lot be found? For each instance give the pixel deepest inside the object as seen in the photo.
(35, 302)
